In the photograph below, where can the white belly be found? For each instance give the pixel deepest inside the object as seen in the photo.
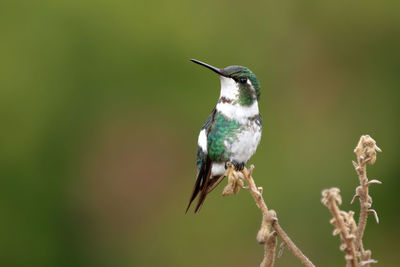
(245, 145)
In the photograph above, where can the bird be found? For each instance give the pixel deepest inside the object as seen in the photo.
(231, 133)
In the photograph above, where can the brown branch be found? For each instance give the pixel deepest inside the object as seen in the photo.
(269, 250)
(291, 245)
(269, 221)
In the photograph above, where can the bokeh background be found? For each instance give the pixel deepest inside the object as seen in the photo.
(100, 110)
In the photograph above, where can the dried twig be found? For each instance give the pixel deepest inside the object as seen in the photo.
(269, 250)
(366, 153)
(281, 248)
(270, 220)
(343, 222)
(351, 233)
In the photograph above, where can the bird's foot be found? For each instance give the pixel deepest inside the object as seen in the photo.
(238, 166)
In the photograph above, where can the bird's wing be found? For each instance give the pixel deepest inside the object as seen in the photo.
(204, 164)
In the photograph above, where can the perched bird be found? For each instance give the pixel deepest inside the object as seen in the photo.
(232, 132)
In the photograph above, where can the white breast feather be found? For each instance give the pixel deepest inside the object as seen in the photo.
(238, 112)
(246, 143)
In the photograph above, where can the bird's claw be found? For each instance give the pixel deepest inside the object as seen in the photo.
(238, 166)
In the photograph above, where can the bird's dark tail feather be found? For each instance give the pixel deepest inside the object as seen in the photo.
(201, 185)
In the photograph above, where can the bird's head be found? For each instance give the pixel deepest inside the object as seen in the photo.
(238, 84)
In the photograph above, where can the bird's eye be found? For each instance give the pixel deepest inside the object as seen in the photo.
(243, 80)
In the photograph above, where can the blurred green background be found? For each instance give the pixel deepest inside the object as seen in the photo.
(100, 111)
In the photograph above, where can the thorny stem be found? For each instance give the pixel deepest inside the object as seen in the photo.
(270, 216)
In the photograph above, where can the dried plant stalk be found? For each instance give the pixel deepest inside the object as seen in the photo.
(366, 153)
(343, 223)
(269, 250)
(351, 233)
(269, 221)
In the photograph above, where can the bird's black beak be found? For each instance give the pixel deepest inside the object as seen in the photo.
(217, 70)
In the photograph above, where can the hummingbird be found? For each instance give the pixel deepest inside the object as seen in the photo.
(231, 132)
